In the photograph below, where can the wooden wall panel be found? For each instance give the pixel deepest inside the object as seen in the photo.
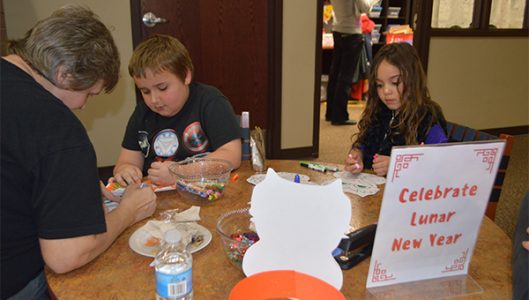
(228, 43)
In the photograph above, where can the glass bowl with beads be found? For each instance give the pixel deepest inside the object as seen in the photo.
(237, 233)
(201, 180)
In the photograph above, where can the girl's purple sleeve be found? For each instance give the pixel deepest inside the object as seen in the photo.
(436, 135)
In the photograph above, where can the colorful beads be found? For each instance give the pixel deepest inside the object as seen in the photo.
(235, 177)
(236, 250)
(210, 190)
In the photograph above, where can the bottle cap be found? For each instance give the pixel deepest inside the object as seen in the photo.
(245, 119)
(172, 236)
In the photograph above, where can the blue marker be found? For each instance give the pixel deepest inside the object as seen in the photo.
(296, 178)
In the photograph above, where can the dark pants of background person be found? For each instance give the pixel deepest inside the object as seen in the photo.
(369, 46)
(345, 57)
(520, 256)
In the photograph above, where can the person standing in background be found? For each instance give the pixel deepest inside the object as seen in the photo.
(367, 27)
(348, 43)
(51, 197)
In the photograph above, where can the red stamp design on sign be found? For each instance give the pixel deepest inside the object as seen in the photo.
(489, 155)
(458, 264)
(403, 162)
(381, 274)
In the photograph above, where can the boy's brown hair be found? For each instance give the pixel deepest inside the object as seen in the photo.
(159, 53)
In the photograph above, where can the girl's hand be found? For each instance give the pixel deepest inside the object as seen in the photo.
(159, 173)
(353, 162)
(380, 164)
(128, 174)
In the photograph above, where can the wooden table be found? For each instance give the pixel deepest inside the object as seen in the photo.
(120, 273)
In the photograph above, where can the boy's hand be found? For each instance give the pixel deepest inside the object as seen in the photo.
(380, 164)
(159, 173)
(353, 162)
(128, 174)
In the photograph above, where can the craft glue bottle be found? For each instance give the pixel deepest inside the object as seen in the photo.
(173, 266)
(245, 129)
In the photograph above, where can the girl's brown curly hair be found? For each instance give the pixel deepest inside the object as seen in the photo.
(415, 99)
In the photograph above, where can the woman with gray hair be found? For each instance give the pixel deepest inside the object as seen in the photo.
(51, 196)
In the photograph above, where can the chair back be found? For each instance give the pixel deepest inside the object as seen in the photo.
(461, 133)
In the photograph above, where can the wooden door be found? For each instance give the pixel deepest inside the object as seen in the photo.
(235, 46)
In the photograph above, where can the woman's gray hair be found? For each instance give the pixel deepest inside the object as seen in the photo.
(74, 39)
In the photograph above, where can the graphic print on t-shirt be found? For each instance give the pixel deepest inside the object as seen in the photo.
(194, 138)
(143, 141)
(165, 143)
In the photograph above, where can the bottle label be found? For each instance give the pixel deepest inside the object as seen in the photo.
(174, 285)
(245, 143)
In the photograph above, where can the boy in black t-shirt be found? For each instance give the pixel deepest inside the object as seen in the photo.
(178, 118)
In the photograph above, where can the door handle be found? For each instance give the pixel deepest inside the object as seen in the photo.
(150, 19)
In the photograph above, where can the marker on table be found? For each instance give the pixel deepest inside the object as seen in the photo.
(331, 168)
(296, 178)
(318, 167)
(313, 166)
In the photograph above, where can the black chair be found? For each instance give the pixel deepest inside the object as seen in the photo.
(461, 133)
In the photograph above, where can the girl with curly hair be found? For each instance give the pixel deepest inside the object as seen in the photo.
(399, 110)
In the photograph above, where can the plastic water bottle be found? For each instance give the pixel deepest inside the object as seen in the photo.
(173, 266)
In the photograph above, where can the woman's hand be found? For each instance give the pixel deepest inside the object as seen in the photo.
(139, 202)
(381, 164)
(159, 173)
(106, 194)
(353, 162)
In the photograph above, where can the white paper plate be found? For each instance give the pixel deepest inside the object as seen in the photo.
(257, 178)
(139, 237)
(360, 178)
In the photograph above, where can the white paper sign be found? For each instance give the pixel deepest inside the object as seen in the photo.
(299, 225)
(434, 201)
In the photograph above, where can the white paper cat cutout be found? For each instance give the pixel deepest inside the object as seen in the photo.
(299, 226)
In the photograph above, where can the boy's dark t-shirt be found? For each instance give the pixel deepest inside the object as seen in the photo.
(205, 123)
(48, 177)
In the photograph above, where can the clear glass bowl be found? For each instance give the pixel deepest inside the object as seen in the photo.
(201, 180)
(237, 234)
